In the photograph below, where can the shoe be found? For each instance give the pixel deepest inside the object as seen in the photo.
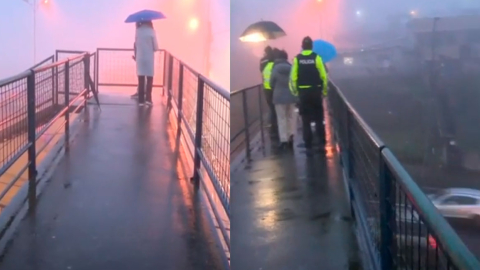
(149, 103)
(290, 142)
(141, 104)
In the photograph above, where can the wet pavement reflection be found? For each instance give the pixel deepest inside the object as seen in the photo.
(116, 203)
(290, 212)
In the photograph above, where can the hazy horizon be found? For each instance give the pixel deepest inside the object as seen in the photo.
(75, 25)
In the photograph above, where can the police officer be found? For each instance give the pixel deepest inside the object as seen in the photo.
(266, 74)
(309, 82)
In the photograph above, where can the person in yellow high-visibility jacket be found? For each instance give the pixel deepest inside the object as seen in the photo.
(309, 82)
(266, 74)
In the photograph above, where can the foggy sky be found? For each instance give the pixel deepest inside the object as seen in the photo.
(326, 20)
(88, 24)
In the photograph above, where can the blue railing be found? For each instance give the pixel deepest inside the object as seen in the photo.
(396, 223)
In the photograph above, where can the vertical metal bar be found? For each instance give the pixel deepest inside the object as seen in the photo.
(246, 123)
(170, 81)
(387, 215)
(53, 82)
(164, 72)
(32, 159)
(67, 101)
(349, 145)
(180, 95)
(97, 70)
(170, 73)
(198, 132)
(86, 78)
(55, 91)
(260, 104)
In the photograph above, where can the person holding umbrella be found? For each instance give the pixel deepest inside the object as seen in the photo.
(309, 81)
(145, 46)
(267, 57)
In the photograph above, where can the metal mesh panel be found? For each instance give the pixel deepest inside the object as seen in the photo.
(117, 68)
(216, 140)
(175, 79)
(252, 102)
(190, 89)
(13, 125)
(415, 243)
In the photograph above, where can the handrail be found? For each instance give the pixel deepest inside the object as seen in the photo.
(50, 58)
(31, 126)
(373, 136)
(453, 247)
(242, 131)
(358, 141)
(60, 62)
(201, 115)
(461, 256)
(14, 78)
(222, 91)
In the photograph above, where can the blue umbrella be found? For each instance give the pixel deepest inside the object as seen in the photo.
(325, 49)
(145, 15)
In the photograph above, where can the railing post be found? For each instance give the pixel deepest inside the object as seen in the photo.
(260, 105)
(180, 95)
(387, 215)
(169, 82)
(246, 122)
(164, 72)
(67, 101)
(348, 146)
(198, 132)
(86, 77)
(32, 152)
(97, 70)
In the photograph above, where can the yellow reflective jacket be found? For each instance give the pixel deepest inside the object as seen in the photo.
(267, 72)
(321, 72)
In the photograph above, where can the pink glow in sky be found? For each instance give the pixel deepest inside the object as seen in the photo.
(86, 25)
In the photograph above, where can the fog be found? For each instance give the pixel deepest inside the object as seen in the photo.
(88, 24)
(348, 24)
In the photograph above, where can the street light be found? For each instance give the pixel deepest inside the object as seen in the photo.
(193, 24)
(35, 4)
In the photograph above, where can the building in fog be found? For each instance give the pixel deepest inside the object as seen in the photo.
(452, 38)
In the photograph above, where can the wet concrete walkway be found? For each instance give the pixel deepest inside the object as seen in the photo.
(115, 203)
(290, 213)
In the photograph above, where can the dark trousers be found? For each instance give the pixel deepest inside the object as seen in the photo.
(145, 93)
(271, 107)
(311, 110)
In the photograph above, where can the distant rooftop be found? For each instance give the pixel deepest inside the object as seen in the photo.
(454, 23)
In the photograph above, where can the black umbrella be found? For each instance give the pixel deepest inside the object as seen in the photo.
(263, 30)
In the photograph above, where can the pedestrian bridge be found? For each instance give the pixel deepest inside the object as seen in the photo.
(90, 180)
(351, 207)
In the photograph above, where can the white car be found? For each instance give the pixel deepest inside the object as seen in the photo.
(458, 203)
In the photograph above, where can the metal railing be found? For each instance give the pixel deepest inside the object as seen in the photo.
(201, 111)
(115, 67)
(402, 228)
(398, 224)
(34, 103)
(248, 107)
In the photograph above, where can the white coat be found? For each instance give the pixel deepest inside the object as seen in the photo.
(145, 47)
